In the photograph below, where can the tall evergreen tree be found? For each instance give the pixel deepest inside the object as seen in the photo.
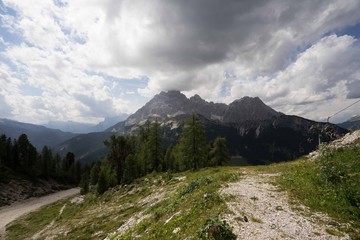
(84, 183)
(169, 159)
(219, 153)
(155, 147)
(192, 143)
(94, 174)
(45, 161)
(120, 147)
(130, 169)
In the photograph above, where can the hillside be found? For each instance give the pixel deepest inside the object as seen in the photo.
(351, 124)
(281, 201)
(38, 135)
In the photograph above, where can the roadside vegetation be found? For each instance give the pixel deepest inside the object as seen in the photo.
(329, 184)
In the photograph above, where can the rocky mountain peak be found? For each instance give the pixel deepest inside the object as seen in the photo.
(249, 108)
(171, 104)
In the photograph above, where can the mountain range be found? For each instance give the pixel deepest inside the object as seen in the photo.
(77, 127)
(352, 124)
(38, 135)
(252, 129)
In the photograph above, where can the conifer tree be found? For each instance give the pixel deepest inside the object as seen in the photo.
(120, 147)
(94, 174)
(155, 147)
(130, 169)
(84, 183)
(192, 143)
(219, 153)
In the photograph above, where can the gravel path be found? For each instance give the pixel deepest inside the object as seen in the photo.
(261, 211)
(10, 213)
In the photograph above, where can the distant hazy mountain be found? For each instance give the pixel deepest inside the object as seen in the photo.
(78, 127)
(38, 135)
(70, 126)
(108, 122)
(253, 130)
(351, 124)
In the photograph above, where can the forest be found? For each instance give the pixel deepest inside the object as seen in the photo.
(18, 157)
(133, 156)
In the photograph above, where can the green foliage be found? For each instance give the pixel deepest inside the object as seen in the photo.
(216, 229)
(219, 154)
(130, 171)
(84, 183)
(155, 147)
(107, 177)
(22, 158)
(120, 147)
(94, 174)
(341, 170)
(192, 146)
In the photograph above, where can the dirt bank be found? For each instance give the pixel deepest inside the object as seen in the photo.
(10, 213)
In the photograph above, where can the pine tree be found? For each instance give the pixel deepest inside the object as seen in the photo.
(120, 147)
(142, 154)
(219, 153)
(130, 167)
(84, 183)
(155, 147)
(45, 161)
(169, 159)
(94, 174)
(192, 143)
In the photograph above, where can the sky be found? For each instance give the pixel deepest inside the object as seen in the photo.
(83, 60)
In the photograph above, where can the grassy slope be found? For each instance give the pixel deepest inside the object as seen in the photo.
(184, 204)
(167, 206)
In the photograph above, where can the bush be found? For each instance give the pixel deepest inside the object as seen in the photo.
(216, 229)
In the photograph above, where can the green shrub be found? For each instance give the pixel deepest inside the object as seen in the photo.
(216, 229)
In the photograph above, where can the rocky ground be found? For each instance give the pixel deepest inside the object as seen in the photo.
(260, 211)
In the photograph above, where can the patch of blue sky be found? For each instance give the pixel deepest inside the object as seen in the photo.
(6, 10)
(28, 90)
(353, 30)
(7, 34)
(9, 38)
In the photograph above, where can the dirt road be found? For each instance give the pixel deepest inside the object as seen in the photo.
(10, 213)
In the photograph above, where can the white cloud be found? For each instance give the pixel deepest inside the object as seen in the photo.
(281, 51)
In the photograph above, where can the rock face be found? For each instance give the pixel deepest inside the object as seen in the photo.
(169, 105)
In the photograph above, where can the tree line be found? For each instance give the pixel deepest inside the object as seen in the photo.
(19, 155)
(131, 157)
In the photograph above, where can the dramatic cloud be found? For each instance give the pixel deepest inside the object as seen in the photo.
(84, 60)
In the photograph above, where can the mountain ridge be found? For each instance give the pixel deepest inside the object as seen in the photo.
(38, 135)
(252, 129)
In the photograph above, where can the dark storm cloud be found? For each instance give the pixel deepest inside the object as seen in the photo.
(354, 90)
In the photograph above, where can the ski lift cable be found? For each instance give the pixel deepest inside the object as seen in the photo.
(343, 110)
